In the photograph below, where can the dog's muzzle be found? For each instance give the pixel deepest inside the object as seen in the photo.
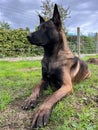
(29, 36)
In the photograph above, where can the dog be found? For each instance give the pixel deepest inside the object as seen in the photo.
(60, 68)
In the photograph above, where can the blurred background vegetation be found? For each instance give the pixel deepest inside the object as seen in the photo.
(13, 42)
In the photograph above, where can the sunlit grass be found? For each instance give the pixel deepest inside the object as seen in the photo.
(78, 111)
(16, 78)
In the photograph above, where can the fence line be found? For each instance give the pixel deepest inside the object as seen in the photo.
(78, 40)
(79, 46)
(96, 43)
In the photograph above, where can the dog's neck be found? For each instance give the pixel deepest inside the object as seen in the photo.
(49, 50)
(65, 43)
(58, 48)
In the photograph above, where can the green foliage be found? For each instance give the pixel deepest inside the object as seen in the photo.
(72, 40)
(88, 44)
(14, 43)
(4, 25)
(47, 11)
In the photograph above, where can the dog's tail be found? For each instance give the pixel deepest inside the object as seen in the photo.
(75, 67)
(80, 71)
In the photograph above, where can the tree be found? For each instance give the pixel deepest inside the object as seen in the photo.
(27, 29)
(4, 25)
(47, 11)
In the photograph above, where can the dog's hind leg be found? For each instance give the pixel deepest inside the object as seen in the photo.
(41, 116)
(31, 101)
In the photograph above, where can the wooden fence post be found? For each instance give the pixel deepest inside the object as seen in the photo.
(78, 40)
(96, 43)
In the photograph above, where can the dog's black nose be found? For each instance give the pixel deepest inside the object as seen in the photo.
(29, 36)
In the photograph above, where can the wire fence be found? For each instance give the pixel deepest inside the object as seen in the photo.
(81, 44)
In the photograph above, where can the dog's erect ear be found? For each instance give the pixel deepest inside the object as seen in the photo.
(41, 19)
(56, 16)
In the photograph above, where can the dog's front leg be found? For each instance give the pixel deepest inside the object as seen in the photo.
(31, 101)
(41, 116)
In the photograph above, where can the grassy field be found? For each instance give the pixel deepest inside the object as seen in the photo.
(78, 111)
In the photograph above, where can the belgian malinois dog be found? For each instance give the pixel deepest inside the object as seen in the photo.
(60, 67)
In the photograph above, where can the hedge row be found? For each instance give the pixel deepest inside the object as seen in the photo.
(14, 43)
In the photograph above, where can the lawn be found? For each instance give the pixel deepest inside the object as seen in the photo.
(78, 111)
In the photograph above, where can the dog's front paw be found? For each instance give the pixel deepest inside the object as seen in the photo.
(29, 104)
(40, 118)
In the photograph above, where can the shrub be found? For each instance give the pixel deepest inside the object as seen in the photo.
(14, 43)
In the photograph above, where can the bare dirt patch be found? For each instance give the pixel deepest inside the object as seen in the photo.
(12, 59)
(14, 118)
(93, 61)
(29, 69)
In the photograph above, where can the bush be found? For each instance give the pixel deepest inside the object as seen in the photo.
(14, 43)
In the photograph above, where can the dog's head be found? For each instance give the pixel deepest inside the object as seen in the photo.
(48, 31)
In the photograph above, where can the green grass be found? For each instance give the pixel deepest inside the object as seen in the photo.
(90, 56)
(17, 79)
(78, 111)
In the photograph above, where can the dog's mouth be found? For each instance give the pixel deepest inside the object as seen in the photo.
(35, 42)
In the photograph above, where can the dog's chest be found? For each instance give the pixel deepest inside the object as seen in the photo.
(52, 72)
